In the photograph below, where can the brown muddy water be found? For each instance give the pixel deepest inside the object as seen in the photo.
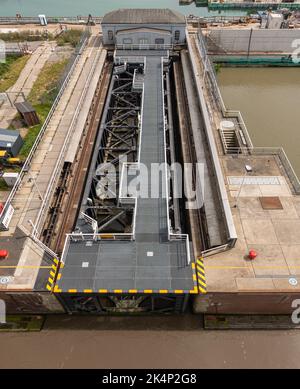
(269, 100)
(146, 342)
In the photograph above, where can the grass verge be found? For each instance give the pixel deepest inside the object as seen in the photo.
(42, 96)
(70, 36)
(10, 70)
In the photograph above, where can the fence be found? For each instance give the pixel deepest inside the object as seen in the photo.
(63, 82)
(50, 19)
(59, 163)
(213, 85)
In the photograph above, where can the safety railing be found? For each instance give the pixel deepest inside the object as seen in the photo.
(208, 125)
(219, 249)
(288, 168)
(58, 166)
(120, 60)
(213, 85)
(185, 238)
(50, 19)
(64, 82)
(248, 148)
(144, 46)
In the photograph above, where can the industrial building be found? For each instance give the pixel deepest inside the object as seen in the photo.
(143, 27)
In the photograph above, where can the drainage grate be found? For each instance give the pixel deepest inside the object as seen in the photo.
(270, 203)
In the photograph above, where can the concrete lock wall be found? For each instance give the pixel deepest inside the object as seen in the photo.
(260, 40)
(30, 303)
(245, 303)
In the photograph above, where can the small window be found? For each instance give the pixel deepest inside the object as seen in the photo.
(177, 35)
(127, 41)
(159, 41)
(110, 35)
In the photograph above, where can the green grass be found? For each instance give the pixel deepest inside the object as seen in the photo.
(26, 35)
(3, 185)
(71, 37)
(42, 111)
(44, 89)
(10, 70)
(218, 67)
(42, 96)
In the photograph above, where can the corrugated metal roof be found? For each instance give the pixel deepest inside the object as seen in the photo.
(137, 16)
(9, 136)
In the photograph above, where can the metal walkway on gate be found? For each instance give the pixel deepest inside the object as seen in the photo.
(151, 259)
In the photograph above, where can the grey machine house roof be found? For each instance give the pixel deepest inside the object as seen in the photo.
(138, 16)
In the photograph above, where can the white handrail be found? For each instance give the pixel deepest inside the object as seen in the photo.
(57, 168)
(29, 158)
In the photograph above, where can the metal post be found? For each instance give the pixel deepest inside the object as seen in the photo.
(36, 187)
(249, 43)
(248, 169)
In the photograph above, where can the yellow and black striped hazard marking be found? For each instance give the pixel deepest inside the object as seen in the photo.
(56, 289)
(201, 275)
(52, 274)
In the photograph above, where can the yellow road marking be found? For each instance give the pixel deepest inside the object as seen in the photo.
(25, 267)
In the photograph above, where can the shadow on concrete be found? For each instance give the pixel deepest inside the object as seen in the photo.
(125, 323)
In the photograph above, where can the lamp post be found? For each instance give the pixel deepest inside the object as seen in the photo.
(248, 169)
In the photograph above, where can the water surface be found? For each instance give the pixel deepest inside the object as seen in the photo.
(269, 101)
(95, 7)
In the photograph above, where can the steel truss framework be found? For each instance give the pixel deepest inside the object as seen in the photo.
(119, 141)
(139, 303)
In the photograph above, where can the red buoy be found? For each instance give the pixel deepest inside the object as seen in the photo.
(252, 254)
(3, 254)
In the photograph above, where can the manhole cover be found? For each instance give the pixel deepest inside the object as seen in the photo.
(4, 280)
(293, 281)
(270, 203)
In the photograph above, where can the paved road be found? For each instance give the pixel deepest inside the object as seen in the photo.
(24, 83)
(146, 342)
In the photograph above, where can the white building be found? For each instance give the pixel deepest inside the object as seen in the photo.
(143, 27)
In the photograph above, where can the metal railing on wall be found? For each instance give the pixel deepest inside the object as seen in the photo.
(50, 19)
(62, 84)
(59, 164)
(213, 85)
